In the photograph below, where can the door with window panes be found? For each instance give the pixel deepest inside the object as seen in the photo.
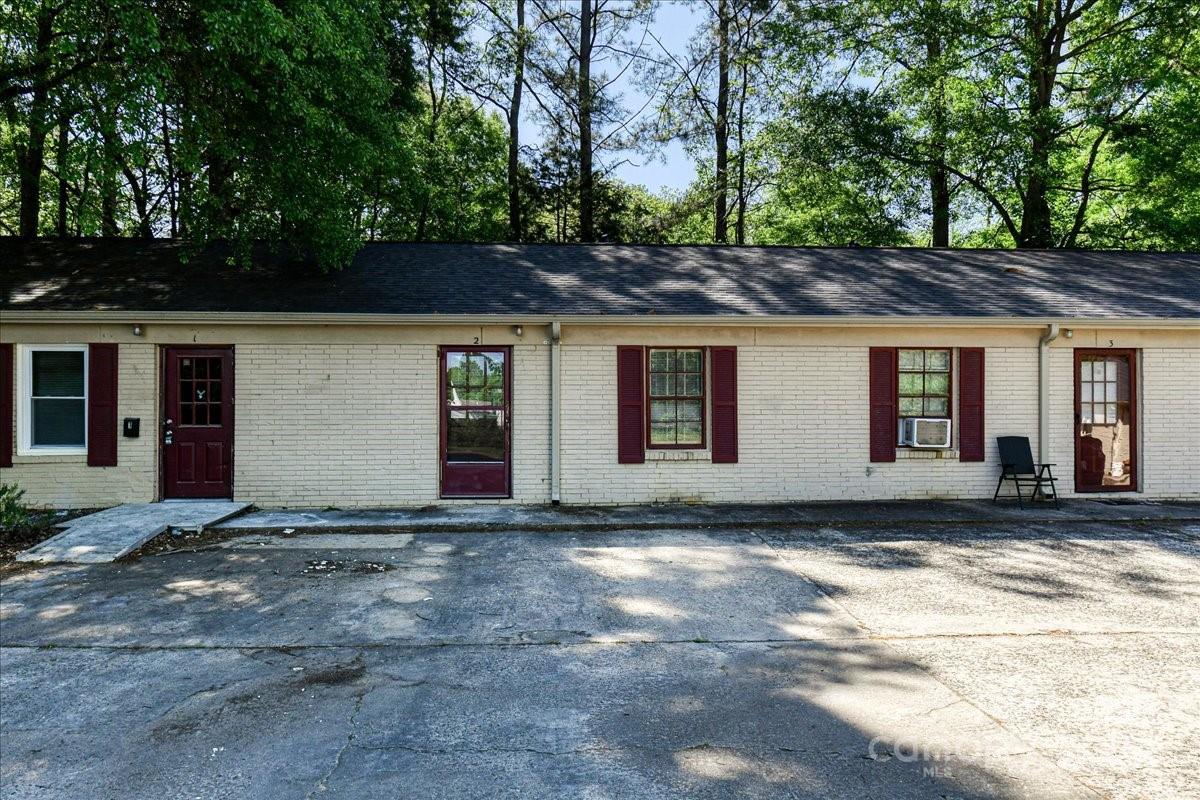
(197, 444)
(475, 420)
(1105, 421)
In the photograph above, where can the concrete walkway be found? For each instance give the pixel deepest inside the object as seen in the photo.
(494, 517)
(107, 535)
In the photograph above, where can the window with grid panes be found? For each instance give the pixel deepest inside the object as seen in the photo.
(200, 389)
(676, 394)
(924, 383)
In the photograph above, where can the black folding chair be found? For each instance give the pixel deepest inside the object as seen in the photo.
(1016, 460)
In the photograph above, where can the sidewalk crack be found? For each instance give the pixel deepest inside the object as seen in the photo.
(322, 784)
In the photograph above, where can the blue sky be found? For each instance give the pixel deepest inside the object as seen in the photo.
(673, 168)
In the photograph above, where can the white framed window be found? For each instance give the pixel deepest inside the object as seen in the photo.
(52, 415)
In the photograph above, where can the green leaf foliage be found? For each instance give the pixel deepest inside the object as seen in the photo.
(312, 126)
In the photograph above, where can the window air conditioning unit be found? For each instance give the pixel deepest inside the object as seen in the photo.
(923, 432)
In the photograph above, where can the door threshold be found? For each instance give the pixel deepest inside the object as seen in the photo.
(196, 500)
(475, 497)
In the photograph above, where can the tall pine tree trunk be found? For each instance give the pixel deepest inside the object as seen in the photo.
(220, 179)
(1036, 228)
(939, 178)
(141, 199)
(60, 158)
(31, 156)
(376, 199)
(1036, 221)
(939, 191)
(108, 199)
(437, 99)
(110, 157)
(31, 159)
(739, 226)
(514, 130)
(721, 187)
(587, 231)
(85, 188)
(172, 188)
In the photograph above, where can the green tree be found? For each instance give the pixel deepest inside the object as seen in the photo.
(282, 118)
(238, 120)
(1156, 159)
(50, 49)
(456, 188)
(581, 50)
(1009, 108)
(893, 71)
(828, 190)
(708, 96)
(1065, 78)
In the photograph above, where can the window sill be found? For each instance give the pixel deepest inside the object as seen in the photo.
(918, 454)
(49, 456)
(678, 455)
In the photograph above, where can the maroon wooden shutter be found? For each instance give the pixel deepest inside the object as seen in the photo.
(102, 405)
(883, 403)
(631, 411)
(724, 405)
(6, 405)
(970, 404)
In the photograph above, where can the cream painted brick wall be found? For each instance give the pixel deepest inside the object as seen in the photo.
(341, 425)
(357, 424)
(1171, 422)
(1169, 402)
(1062, 418)
(531, 424)
(803, 432)
(67, 481)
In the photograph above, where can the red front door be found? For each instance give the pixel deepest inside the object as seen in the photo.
(198, 422)
(1105, 421)
(475, 386)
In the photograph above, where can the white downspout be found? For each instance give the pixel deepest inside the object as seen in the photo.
(555, 412)
(1044, 391)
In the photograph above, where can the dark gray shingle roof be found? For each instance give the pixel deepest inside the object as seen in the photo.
(481, 279)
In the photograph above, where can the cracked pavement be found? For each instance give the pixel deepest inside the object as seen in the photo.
(969, 661)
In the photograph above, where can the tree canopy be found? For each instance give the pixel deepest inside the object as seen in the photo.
(316, 125)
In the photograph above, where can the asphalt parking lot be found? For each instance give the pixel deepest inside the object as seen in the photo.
(974, 661)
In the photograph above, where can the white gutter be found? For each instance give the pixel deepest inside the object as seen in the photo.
(1044, 391)
(555, 412)
(295, 318)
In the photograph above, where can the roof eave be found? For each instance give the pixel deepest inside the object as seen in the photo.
(295, 318)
